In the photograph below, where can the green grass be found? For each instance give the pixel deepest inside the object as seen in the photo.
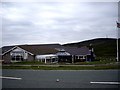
(94, 63)
(100, 64)
(97, 67)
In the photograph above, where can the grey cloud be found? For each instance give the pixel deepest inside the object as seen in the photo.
(57, 22)
(23, 23)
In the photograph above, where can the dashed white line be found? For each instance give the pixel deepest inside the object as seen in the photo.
(105, 82)
(10, 78)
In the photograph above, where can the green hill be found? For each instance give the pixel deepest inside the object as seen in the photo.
(103, 47)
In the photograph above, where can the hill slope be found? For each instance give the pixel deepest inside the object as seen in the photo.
(102, 46)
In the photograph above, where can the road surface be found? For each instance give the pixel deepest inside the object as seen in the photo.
(60, 78)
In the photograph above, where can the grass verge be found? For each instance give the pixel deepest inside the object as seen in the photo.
(62, 63)
(96, 67)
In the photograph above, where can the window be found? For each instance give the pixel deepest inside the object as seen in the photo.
(17, 55)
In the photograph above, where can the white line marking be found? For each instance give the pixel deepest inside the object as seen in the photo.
(105, 82)
(10, 78)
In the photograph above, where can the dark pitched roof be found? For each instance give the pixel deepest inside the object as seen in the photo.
(77, 51)
(38, 49)
(6, 48)
(42, 49)
(34, 49)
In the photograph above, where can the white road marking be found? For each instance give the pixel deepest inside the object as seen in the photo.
(105, 82)
(10, 78)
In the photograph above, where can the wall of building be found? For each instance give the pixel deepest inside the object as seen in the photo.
(30, 57)
(7, 58)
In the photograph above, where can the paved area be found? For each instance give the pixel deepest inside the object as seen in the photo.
(60, 79)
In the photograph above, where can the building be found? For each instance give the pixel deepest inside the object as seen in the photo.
(46, 53)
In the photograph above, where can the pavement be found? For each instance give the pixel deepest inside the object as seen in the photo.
(60, 78)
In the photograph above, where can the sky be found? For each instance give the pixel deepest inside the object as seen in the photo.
(57, 22)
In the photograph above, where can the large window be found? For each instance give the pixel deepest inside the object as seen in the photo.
(17, 55)
(17, 58)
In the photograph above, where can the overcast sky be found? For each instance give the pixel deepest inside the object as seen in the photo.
(57, 22)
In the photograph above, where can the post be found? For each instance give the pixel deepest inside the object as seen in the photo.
(38, 63)
(45, 60)
(117, 52)
(117, 48)
(118, 31)
(117, 42)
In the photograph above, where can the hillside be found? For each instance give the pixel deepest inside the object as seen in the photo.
(102, 46)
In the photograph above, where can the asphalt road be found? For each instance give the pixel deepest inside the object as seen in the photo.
(66, 78)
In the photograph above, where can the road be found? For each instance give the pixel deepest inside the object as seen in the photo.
(66, 78)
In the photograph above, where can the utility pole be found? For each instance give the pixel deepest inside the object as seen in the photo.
(117, 41)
